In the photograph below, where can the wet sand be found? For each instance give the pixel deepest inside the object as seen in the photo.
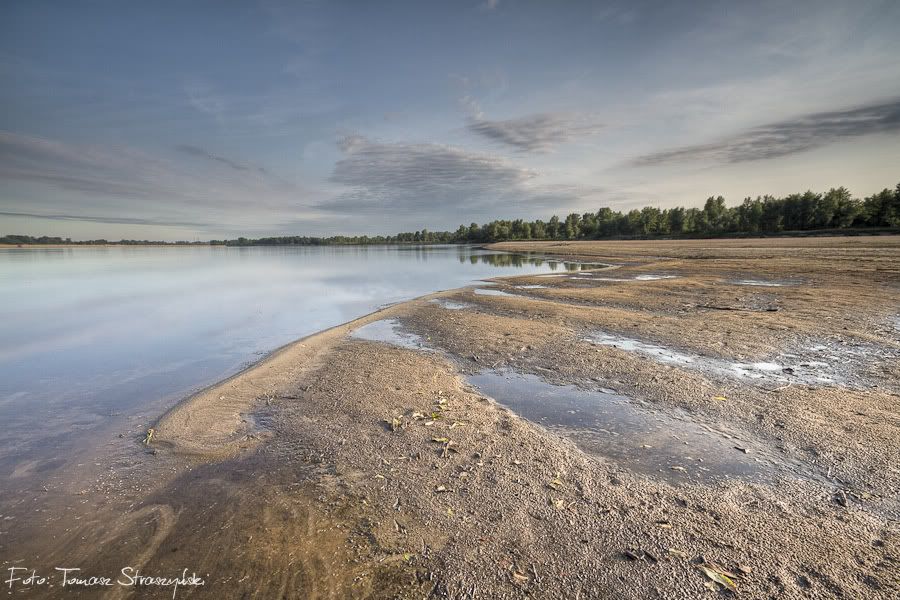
(732, 404)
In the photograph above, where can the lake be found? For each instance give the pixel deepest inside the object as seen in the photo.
(105, 339)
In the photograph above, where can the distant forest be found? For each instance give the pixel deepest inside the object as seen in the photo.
(833, 210)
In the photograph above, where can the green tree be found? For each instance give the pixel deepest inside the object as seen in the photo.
(572, 227)
(553, 230)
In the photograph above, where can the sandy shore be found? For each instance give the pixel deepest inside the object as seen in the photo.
(343, 467)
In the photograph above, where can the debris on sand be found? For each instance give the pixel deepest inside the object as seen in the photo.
(719, 575)
(639, 555)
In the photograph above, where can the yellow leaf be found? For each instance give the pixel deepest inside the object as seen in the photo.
(718, 577)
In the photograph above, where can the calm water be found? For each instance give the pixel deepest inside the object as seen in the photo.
(95, 339)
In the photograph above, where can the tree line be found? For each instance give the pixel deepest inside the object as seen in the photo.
(835, 209)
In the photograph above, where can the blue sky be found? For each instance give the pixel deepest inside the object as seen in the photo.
(191, 120)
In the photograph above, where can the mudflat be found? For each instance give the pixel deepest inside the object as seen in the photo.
(678, 420)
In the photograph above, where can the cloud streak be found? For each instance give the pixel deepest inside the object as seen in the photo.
(203, 153)
(535, 133)
(406, 176)
(787, 137)
(131, 187)
(105, 220)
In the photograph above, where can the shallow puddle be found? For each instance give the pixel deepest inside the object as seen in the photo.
(530, 287)
(489, 292)
(671, 445)
(762, 282)
(812, 365)
(450, 304)
(653, 277)
(390, 331)
(646, 277)
(631, 345)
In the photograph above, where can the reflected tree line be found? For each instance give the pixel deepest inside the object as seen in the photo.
(519, 260)
(834, 210)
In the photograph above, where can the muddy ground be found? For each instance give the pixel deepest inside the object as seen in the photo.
(747, 435)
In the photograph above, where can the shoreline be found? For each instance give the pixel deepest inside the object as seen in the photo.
(225, 442)
(791, 235)
(337, 466)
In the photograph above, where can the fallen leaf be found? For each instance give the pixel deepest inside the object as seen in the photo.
(720, 398)
(719, 577)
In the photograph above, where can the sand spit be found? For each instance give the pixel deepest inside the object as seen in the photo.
(343, 467)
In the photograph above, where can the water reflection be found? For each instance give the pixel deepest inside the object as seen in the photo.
(98, 340)
(519, 260)
(671, 445)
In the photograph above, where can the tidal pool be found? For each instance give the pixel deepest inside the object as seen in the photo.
(389, 331)
(450, 304)
(670, 444)
(490, 292)
(807, 364)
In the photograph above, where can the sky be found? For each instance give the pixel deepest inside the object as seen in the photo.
(197, 120)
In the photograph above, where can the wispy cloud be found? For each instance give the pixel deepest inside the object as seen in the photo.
(106, 220)
(131, 187)
(444, 184)
(787, 137)
(202, 97)
(79, 168)
(539, 132)
(404, 176)
(536, 133)
(203, 153)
